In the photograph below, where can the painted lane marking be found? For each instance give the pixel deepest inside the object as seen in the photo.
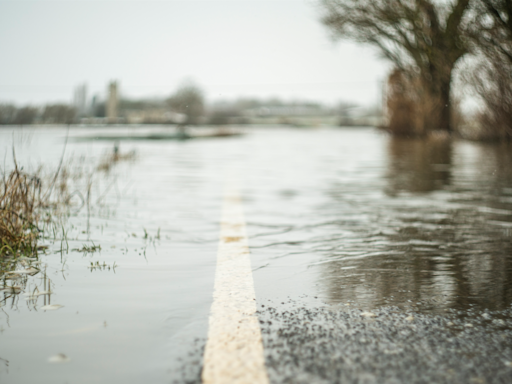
(234, 349)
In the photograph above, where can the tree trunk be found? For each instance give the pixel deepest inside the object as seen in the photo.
(436, 103)
(445, 119)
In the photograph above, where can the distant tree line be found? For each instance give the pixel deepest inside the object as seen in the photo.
(187, 106)
(425, 40)
(50, 114)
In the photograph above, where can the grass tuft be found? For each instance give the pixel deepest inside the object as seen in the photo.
(20, 201)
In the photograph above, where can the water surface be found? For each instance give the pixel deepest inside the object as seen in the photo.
(336, 216)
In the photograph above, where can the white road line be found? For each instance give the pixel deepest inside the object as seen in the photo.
(234, 349)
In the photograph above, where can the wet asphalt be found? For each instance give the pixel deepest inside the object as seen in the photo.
(389, 345)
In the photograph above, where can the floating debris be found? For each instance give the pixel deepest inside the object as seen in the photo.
(30, 296)
(88, 249)
(102, 267)
(13, 289)
(51, 307)
(12, 277)
(59, 358)
(29, 271)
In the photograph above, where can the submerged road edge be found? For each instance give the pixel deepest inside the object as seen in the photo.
(234, 349)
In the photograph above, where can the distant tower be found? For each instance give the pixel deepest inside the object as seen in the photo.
(112, 102)
(94, 106)
(80, 100)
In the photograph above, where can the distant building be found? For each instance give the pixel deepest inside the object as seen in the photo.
(80, 100)
(153, 116)
(94, 105)
(112, 103)
(295, 114)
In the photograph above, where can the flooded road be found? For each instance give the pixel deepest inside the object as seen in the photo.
(336, 218)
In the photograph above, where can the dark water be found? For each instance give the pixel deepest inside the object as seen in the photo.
(421, 223)
(336, 216)
(443, 234)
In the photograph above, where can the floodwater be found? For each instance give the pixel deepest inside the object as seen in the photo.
(334, 216)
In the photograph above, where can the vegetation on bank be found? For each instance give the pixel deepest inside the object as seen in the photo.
(189, 107)
(23, 214)
(426, 41)
(491, 78)
(10, 114)
(32, 204)
(21, 203)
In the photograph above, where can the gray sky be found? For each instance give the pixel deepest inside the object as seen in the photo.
(236, 48)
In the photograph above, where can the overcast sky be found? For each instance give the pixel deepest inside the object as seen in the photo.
(233, 48)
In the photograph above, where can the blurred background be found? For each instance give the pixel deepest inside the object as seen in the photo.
(242, 55)
(410, 67)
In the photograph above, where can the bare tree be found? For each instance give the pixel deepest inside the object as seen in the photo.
(491, 77)
(493, 29)
(424, 38)
(58, 114)
(492, 81)
(7, 113)
(189, 101)
(25, 115)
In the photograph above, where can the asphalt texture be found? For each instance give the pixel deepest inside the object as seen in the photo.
(389, 345)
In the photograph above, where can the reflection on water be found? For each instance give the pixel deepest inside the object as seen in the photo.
(130, 269)
(446, 249)
(24, 274)
(342, 215)
(417, 165)
(379, 220)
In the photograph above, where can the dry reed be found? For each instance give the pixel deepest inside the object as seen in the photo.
(110, 158)
(402, 105)
(21, 198)
(410, 108)
(32, 204)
